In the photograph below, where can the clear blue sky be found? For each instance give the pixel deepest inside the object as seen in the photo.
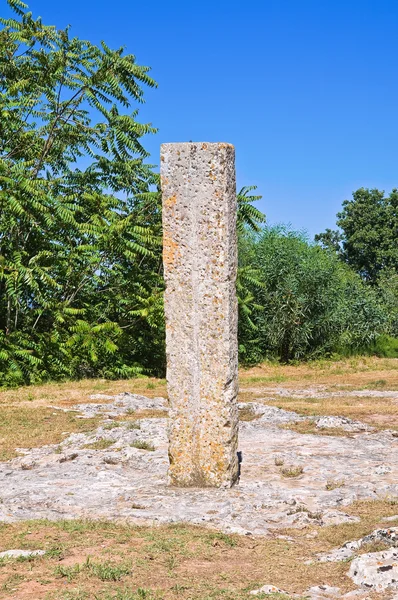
(306, 90)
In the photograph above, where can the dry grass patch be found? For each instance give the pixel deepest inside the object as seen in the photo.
(100, 445)
(354, 373)
(142, 445)
(27, 427)
(246, 414)
(136, 415)
(292, 471)
(334, 484)
(309, 427)
(76, 392)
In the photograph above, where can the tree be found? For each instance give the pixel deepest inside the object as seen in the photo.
(79, 251)
(81, 282)
(305, 301)
(330, 240)
(369, 224)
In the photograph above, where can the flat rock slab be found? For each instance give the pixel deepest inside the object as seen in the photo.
(342, 423)
(376, 571)
(124, 482)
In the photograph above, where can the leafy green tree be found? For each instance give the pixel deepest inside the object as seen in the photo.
(369, 225)
(330, 240)
(306, 302)
(81, 282)
(79, 249)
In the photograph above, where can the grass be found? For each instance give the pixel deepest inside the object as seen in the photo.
(105, 571)
(292, 471)
(113, 425)
(333, 485)
(309, 427)
(27, 427)
(100, 445)
(174, 562)
(134, 425)
(141, 445)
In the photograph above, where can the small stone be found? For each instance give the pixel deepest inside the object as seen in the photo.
(336, 517)
(269, 589)
(342, 423)
(111, 460)
(337, 555)
(382, 470)
(28, 466)
(67, 457)
(18, 553)
(385, 519)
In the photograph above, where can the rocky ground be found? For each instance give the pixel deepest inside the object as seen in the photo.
(289, 479)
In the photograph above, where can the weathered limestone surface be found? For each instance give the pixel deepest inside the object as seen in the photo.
(123, 482)
(200, 263)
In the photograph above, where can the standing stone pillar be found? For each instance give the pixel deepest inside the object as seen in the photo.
(200, 263)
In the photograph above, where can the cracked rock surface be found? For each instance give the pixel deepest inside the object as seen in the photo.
(125, 482)
(389, 537)
(377, 571)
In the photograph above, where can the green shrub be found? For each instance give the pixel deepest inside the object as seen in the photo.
(386, 346)
(306, 303)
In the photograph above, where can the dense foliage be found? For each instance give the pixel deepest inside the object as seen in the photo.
(306, 302)
(367, 242)
(368, 234)
(79, 232)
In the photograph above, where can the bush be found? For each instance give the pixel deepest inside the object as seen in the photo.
(306, 303)
(386, 346)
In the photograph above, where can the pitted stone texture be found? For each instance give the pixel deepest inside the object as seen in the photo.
(376, 571)
(200, 264)
(124, 482)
